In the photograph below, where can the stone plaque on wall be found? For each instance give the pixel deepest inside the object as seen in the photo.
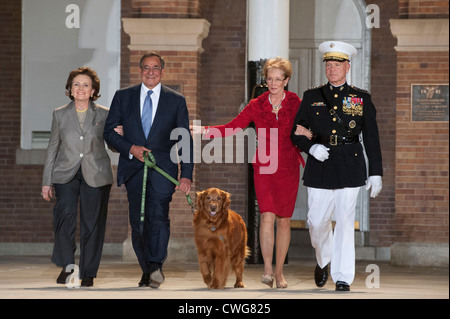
(429, 102)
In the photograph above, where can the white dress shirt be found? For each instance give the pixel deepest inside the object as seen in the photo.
(155, 100)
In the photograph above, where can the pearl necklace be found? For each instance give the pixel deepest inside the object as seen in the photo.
(277, 107)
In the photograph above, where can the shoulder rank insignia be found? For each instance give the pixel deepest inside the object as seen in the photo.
(315, 87)
(359, 89)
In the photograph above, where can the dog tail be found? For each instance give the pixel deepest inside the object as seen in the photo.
(247, 252)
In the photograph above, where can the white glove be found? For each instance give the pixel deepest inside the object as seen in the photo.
(376, 183)
(320, 152)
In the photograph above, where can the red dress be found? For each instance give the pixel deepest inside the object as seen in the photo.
(276, 174)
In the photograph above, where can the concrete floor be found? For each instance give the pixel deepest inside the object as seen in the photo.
(26, 277)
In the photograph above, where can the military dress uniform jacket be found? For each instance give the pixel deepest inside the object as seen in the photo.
(346, 165)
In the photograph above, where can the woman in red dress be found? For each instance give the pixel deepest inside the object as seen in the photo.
(276, 163)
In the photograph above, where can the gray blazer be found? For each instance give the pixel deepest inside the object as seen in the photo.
(71, 147)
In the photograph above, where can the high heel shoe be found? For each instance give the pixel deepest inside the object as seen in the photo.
(267, 280)
(282, 284)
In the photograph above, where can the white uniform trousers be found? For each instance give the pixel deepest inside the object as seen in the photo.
(338, 247)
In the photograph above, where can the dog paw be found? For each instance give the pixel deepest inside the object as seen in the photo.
(216, 285)
(239, 285)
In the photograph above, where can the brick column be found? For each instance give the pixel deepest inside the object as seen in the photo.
(422, 147)
(179, 41)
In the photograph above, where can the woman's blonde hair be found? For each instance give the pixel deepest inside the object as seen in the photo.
(284, 65)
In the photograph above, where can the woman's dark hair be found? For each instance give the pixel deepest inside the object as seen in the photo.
(85, 71)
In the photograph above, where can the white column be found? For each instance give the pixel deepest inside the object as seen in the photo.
(268, 29)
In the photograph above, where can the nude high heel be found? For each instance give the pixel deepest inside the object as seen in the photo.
(282, 284)
(267, 280)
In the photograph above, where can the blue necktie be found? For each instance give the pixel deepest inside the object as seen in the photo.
(147, 113)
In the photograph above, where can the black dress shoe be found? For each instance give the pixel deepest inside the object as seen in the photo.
(145, 280)
(157, 278)
(321, 275)
(63, 276)
(342, 286)
(87, 282)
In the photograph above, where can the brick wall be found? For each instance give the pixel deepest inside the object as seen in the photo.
(414, 200)
(419, 9)
(23, 216)
(166, 8)
(223, 90)
(422, 148)
(383, 83)
(422, 164)
(10, 61)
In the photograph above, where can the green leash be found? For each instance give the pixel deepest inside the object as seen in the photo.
(149, 161)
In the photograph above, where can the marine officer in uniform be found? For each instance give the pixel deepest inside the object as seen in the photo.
(339, 117)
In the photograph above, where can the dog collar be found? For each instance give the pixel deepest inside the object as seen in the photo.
(213, 229)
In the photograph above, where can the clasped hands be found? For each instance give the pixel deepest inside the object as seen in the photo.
(318, 151)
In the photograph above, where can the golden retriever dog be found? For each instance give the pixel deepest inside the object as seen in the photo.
(221, 239)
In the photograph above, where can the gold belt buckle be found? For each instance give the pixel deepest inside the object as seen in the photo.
(333, 140)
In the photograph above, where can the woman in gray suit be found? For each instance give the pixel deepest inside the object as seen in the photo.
(79, 169)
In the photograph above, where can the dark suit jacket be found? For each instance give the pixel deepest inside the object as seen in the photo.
(346, 166)
(171, 114)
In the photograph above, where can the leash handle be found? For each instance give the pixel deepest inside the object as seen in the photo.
(150, 161)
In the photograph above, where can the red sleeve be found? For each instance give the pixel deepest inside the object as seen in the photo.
(241, 121)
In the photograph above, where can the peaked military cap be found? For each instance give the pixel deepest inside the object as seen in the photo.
(337, 51)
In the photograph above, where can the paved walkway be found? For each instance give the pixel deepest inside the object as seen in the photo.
(35, 278)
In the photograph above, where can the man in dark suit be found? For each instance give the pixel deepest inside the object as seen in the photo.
(336, 113)
(146, 115)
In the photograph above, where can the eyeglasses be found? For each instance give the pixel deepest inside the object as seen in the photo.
(275, 80)
(147, 68)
